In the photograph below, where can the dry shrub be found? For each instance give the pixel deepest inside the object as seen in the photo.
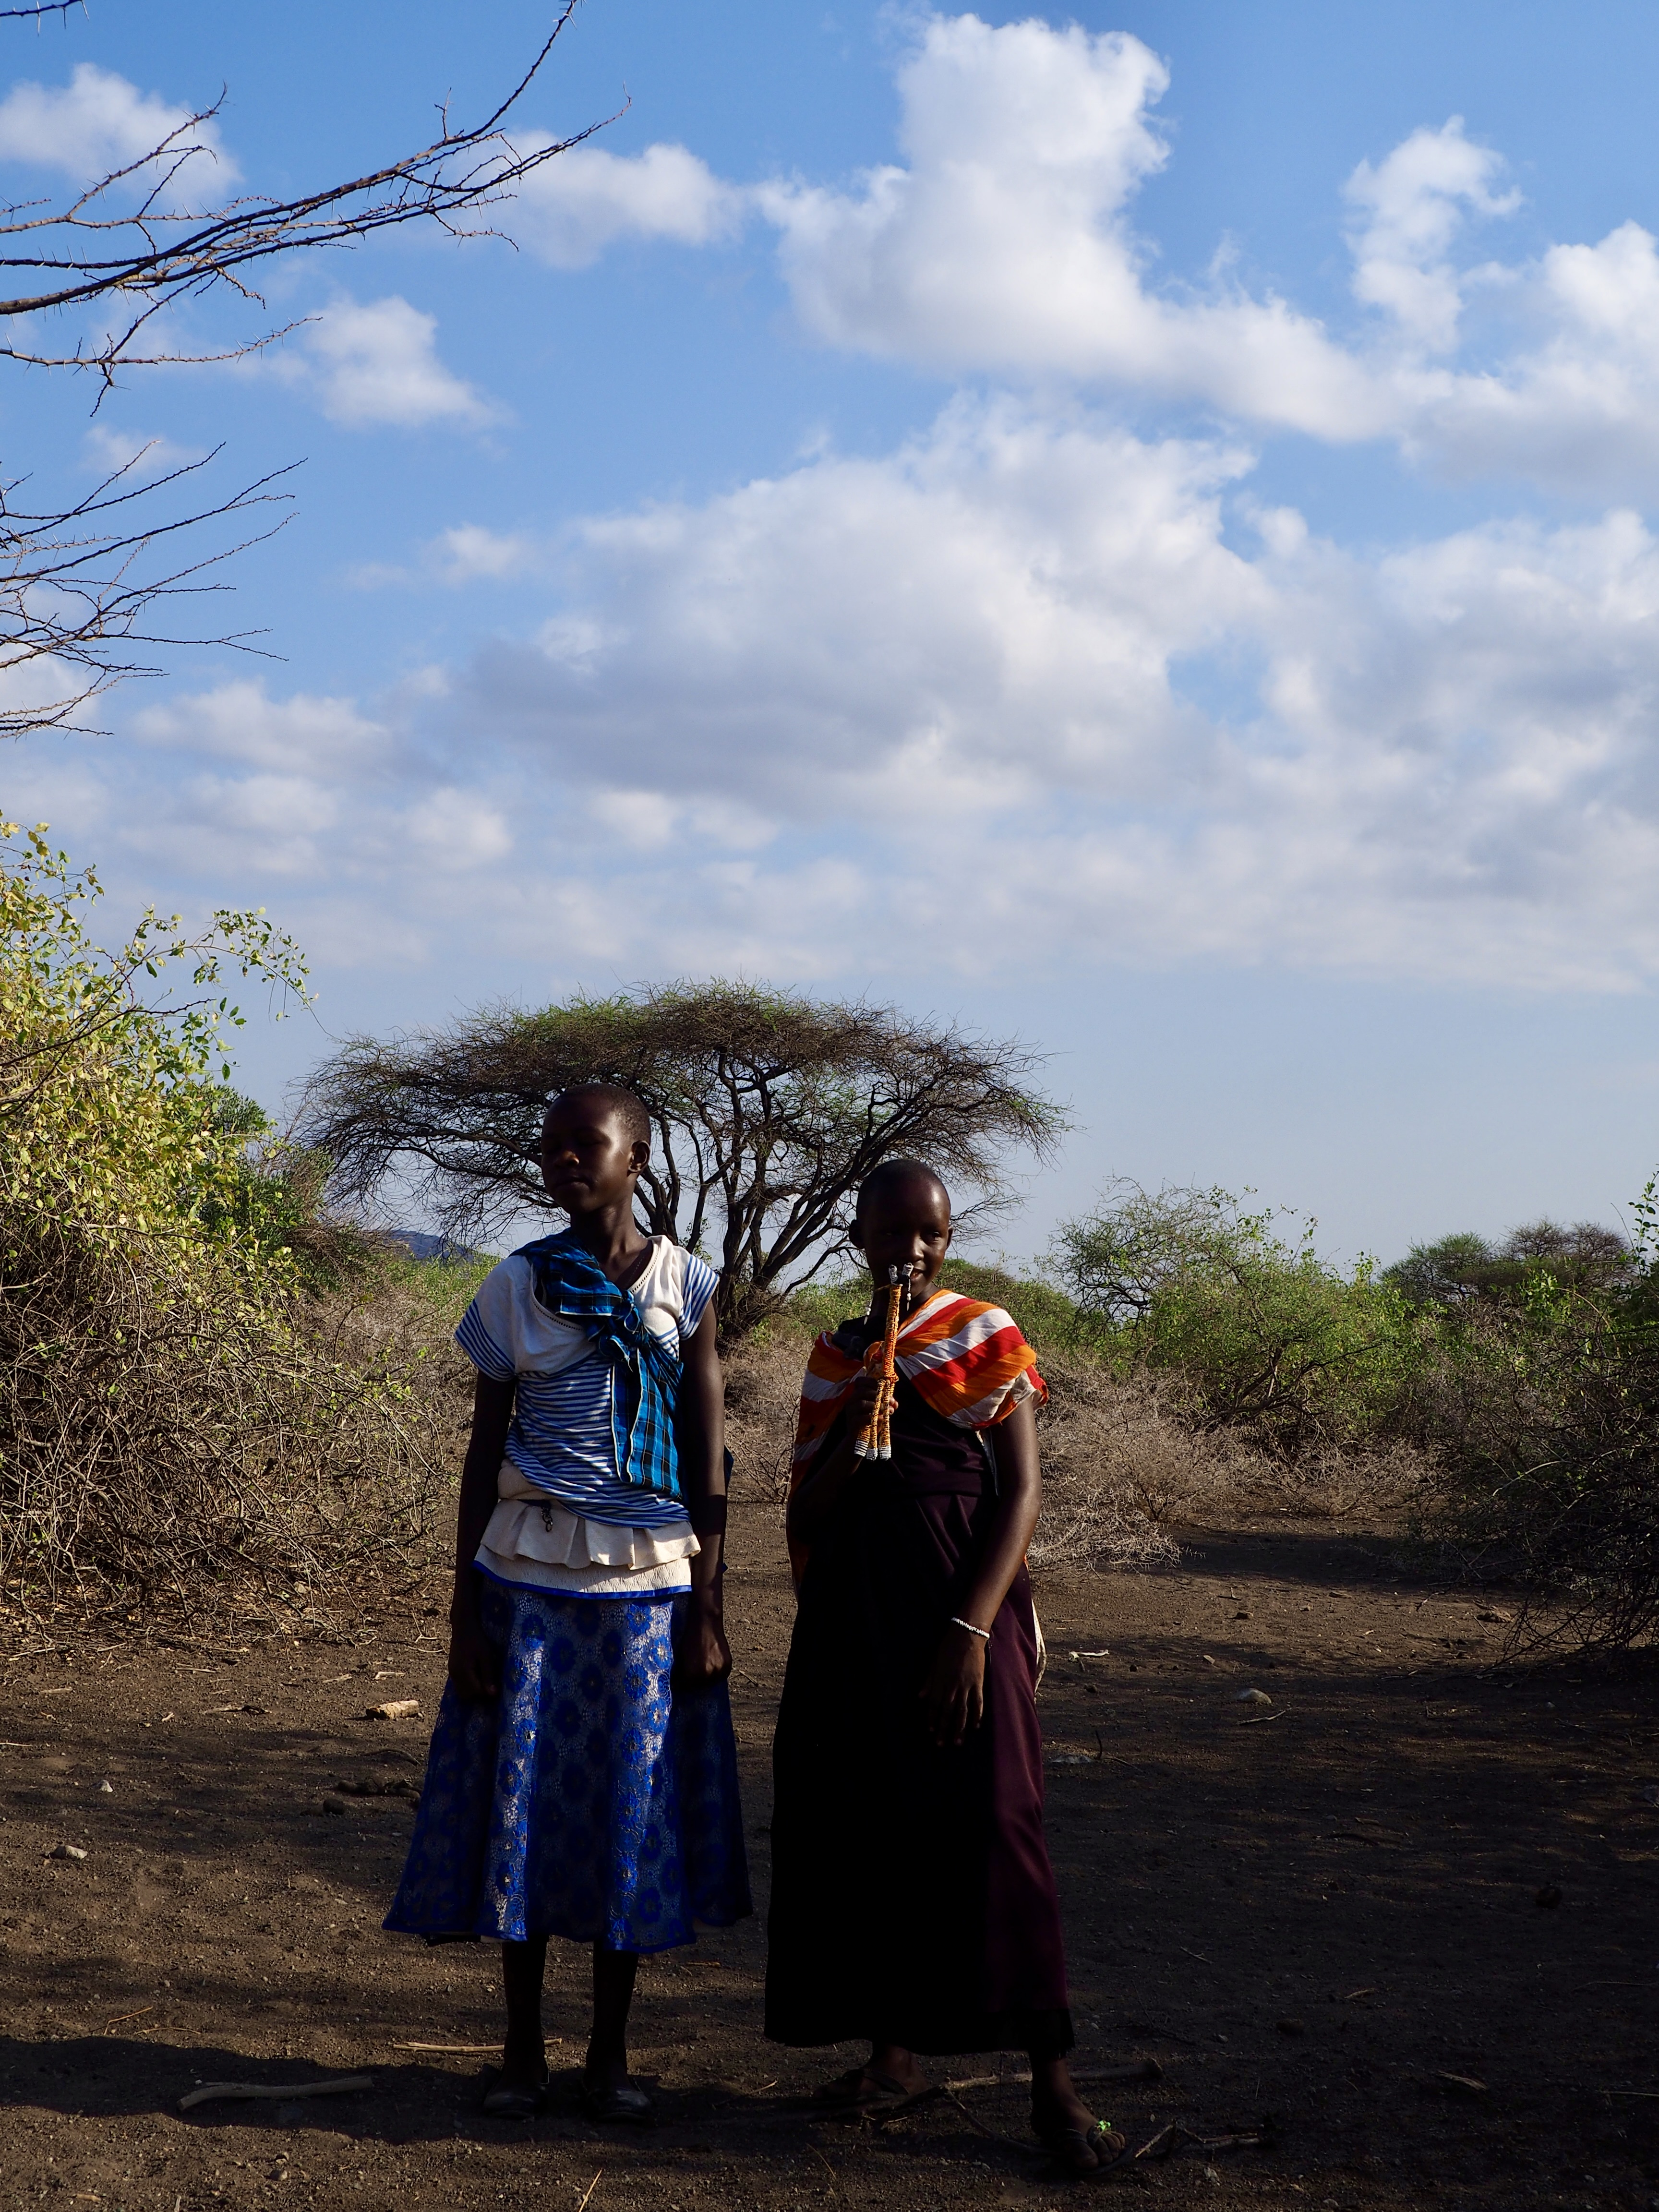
(194, 1453)
(763, 1390)
(1121, 1467)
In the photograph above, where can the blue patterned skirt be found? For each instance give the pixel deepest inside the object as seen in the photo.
(587, 1802)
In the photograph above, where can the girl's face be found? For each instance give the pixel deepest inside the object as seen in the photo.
(906, 1224)
(588, 1160)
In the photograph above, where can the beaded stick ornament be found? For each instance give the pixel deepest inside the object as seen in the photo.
(875, 1439)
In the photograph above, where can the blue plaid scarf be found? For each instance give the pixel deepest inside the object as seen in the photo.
(646, 1386)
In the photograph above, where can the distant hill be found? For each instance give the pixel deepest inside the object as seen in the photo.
(425, 1247)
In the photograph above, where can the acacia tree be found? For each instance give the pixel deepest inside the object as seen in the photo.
(79, 588)
(769, 1108)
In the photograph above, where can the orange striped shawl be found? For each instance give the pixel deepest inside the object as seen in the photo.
(967, 1359)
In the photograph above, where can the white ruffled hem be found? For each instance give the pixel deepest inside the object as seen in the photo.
(541, 1544)
(554, 1536)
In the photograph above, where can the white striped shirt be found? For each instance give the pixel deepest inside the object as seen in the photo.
(561, 1439)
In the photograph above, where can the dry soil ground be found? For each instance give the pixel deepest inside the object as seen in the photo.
(1321, 1916)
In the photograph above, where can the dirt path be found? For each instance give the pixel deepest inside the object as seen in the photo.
(1321, 1912)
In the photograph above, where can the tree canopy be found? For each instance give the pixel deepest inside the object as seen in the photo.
(769, 1109)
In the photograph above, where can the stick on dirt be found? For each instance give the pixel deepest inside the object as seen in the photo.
(1143, 2070)
(217, 2092)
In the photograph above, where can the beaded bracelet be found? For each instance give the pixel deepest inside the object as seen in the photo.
(983, 1634)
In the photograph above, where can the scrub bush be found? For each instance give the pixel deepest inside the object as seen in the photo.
(1244, 1329)
(192, 1400)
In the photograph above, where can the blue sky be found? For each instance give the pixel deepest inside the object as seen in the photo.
(1130, 527)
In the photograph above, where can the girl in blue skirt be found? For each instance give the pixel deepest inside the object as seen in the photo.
(582, 1778)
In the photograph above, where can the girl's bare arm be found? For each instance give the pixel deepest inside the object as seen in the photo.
(703, 1655)
(472, 1663)
(953, 1696)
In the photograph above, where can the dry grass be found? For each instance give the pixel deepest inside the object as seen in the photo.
(1122, 1472)
(208, 1458)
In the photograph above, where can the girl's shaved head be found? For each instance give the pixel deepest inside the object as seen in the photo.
(612, 1099)
(894, 1176)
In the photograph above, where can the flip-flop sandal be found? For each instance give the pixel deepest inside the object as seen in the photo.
(626, 2107)
(506, 2100)
(1080, 2154)
(863, 2095)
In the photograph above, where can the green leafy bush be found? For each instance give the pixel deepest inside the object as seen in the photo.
(1250, 1330)
(178, 1411)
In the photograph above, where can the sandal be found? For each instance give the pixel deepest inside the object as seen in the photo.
(512, 2100)
(626, 2107)
(863, 2095)
(1081, 2153)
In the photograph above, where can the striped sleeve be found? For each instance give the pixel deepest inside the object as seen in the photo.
(701, 1284)
(484, 1343)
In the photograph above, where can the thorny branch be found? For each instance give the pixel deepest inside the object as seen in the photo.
(76, 592)
(79, 592)
(141, 259)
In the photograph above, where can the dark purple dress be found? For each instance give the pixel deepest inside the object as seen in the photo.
(913, 1901)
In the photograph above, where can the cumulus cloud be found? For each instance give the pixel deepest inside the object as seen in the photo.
(1019, 669)
(99, 123)
(374, 363)
(238, 722)
(1042, 672)
(1409, 210)
(568, 210)
(131, 453)
(1004, 244)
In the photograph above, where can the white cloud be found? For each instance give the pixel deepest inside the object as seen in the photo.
(1004, 246)
(99, 123)
(468, 553)
(1410, 209)
(457, 829)
(112, 452)
(970, 668)
(876, 628)
(1039, 673)
(569, 210)
(238, 722)
(376, 362)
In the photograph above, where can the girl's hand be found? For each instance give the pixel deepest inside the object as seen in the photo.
(703, 1656)
(953, 1696)
(472, 1665)
(861, 1400)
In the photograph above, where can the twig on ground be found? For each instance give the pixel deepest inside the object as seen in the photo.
(453, 2049)
(222, 2092)
(1026, 2150)
(120, 2016)
(592, 2186)
(1168, 2140)
(1141, 2070)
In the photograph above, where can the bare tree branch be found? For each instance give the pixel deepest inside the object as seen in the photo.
(141, 259)
(80, 590)
(76, 592)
